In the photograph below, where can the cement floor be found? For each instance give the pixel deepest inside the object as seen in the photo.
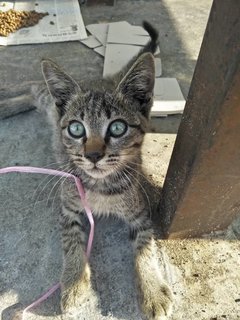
(203, 273)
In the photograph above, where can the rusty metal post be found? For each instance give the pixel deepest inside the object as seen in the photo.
(202, 188)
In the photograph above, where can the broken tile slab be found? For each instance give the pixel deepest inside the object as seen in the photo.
(99, 30)
(100, 50)
(158, 67)
(91, 42)
(168, 97)
(122, 32)
(117, 56)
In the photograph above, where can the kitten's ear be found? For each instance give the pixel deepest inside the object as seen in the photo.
(138, 83)
(60, 85)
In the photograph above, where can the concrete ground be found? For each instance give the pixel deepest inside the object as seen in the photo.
(204, 273)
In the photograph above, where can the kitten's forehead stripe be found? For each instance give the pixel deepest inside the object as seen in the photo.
(82, 115)
(95, 107)
(108, 113)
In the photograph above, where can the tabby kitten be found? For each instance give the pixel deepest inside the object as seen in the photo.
(98, 131)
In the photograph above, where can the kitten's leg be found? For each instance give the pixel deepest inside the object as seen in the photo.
(155, 295)
(75, 280)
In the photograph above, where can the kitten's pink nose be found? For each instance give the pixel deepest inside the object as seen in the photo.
(94, 156)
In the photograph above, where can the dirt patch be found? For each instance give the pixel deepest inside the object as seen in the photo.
(209, 281)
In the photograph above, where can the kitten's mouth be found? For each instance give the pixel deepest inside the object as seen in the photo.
(97, 173)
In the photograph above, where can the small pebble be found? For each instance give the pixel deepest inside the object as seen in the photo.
(195, 275)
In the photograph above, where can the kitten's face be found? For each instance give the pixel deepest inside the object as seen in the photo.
(103, 131)
(100, 133)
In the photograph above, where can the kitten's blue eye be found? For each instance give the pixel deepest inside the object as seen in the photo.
(76, 129)
(117, 128)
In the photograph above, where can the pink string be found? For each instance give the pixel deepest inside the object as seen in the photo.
(41, 299)
(85, 205)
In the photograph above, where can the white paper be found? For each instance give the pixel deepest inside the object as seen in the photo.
(64, 22)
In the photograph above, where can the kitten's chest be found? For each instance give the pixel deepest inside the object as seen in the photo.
(107, 204)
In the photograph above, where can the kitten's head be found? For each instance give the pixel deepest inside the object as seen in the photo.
(102, 130)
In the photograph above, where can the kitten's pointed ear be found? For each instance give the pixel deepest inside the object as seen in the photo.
(138, 84)
(60, 85)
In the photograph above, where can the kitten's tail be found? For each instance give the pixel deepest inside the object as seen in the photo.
(152, 45)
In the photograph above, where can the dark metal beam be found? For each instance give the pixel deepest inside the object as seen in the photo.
(202, 188)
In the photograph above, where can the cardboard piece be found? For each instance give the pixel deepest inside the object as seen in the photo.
(91, 42)
(117, 56)
(99, 30)
(100, 50)
(139, 30)
(122, 32)
(158, 67)
(157, 51)
(168, 97)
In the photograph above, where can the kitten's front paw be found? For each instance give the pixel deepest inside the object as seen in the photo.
(75, 294)
(74, 297)
(156, 300)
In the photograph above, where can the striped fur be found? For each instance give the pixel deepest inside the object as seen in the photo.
(115, 184)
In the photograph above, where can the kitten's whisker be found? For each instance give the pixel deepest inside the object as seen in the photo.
(50, 180)
(122, 176)
(135, 163)
(48, 175)
(52, 177)
(119, 175)
(141, 188)
(58, 180)
(60, 185)
(55, 163)
(29, 206)
(138, 172)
